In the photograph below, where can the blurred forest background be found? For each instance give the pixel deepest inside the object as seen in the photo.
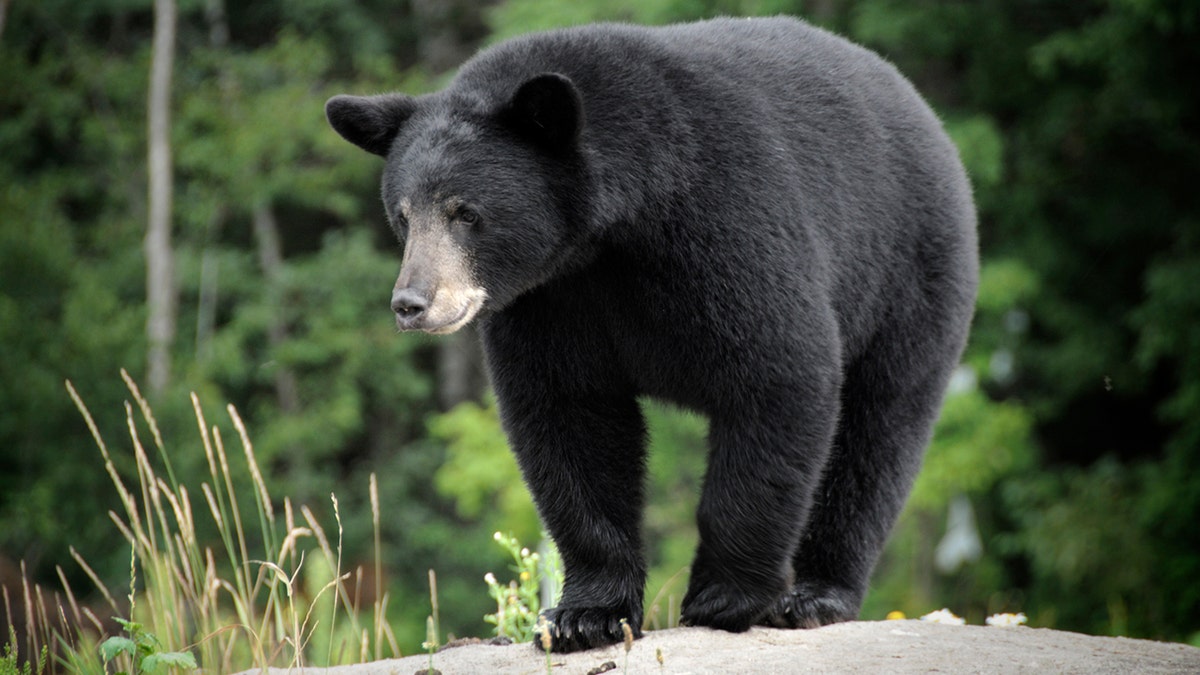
(1064, 480)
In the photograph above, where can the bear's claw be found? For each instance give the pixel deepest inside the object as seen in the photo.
(574, 629)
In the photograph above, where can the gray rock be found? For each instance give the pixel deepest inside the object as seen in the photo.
(861, 647)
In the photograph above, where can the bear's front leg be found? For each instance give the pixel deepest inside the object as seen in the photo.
(579, 438)
(584, 465)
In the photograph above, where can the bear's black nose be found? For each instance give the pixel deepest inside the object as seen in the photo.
(408, 304)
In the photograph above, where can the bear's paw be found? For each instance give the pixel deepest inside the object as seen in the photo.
(812, 606)
(724, 607)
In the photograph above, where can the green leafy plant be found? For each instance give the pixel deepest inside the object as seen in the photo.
(144, 651)
(10, 663)
(518, 602)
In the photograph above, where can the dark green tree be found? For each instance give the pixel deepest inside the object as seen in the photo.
(1077, 444)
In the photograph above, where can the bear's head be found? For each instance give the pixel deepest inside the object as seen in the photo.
(483, 194)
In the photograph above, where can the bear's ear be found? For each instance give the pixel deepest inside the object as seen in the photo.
(548, 110)
(370, 122)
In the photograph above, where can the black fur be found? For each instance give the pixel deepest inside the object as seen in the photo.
(753, 219)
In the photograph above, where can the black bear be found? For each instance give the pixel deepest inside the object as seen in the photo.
(753, 219)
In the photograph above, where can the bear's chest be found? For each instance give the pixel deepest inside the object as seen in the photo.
(668, 346)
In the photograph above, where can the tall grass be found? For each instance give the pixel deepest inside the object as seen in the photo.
(272, 593)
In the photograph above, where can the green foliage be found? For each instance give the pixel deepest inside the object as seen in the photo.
(479, 473)
(1088, 247)
(977, 443)
(981, 147)
(515, 17)
(337, 348)
(678, 446)
(1077, 446)
(10, 661)
(68, 269)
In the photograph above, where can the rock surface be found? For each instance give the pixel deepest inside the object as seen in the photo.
(861, 647)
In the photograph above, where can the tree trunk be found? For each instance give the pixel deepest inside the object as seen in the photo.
(161, 295)
(206, 310)
(218, 24)
(210, 287)
(460, 371)
(270, 258)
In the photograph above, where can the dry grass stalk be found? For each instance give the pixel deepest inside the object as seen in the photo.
(254, 613)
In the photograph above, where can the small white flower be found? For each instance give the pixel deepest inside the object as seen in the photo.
(944, 616)
(490, 579)
(1007, 620)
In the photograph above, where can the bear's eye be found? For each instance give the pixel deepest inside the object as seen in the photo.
(467, 216)
(400, 225)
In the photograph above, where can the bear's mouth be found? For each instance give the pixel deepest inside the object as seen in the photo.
(470, 303)
(464, 317)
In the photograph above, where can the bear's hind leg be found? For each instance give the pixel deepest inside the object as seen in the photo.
(762, 475)
(888, 411)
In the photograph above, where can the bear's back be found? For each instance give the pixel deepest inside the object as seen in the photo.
(806, 156)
